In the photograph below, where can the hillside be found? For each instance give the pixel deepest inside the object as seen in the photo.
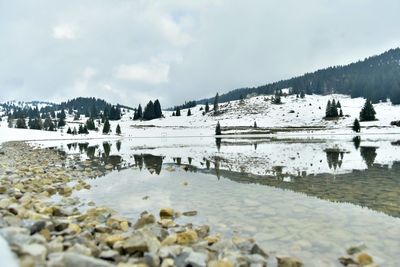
(376, 78)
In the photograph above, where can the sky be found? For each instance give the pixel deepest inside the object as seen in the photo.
(133, 51)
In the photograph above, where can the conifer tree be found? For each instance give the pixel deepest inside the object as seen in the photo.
(140, 112)
(80, 129)
(367, 112)
(106, 127)
(178, 112)
(218, 129)
(149, 112)
(21, 123)
(189, 113)
(69, 131)
(207, 109)
(90, 125)
(302, 94)
(118, 130)
(255, 124)
(341, 113)
(74, 131)
(157, 109)
(216, 101)
(173, 114)
(61, 122)
(356, 126)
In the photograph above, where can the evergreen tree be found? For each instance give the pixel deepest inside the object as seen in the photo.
(338, 105)
(61, 122)
(255, 124)
(149, 112)
(21, 123)
(140, 112)
(90, 125)
(74, 131)
(80, 129)
(302, 94)
(157, 109)
(216, 101)
(118, 130)
(178, 112)
(367, 112)
(106, 127)
(341, 113)
(189, 113)
(207, 107)
(36, 124)
(218, 129)
(69, 131)
(173, 114)
(277, 97)
(85, 129)
(356, 126)
(331, 109)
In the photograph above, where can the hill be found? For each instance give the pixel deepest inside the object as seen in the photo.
(376, 78)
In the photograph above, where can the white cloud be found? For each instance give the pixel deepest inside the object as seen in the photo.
(64, 32)
(153, 72)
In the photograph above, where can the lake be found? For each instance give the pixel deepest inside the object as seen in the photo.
(305, 197)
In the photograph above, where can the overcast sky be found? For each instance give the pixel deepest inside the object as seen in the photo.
(130, 51)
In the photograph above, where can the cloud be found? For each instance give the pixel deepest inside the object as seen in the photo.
(64, 32)
(178, 50)
(152, 72)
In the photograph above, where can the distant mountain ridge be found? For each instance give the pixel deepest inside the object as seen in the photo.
(376, 77)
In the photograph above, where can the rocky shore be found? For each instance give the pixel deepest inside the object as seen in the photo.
(45, 226)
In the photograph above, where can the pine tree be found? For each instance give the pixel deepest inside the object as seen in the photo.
(356, 126)
(255, 124)
(21, 123)
(189, 113)
(207, 109)
(149, 112)
(338, 105)
(178, 112)
(216, 101)
(118, 130)
(61, 122)
(106, 127)
(74, 132)
(302, 94)
(80, 129)
(69, 131)
(140, 112)
(218, 129)
(173, 114)
(157, 109)
(341, 113)
(367, 112)
(90, 125)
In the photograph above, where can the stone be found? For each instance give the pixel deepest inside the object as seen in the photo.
(135, 243)
(168, 263)
(170, 251)
(356, 249)
(169, 240)
(3, 189)
(203, 231)
(347, 261)
(80, 249)
(167, 223)
(36, 251)
(166, 213)
(189, 213)
(289, 262)
(70, 259)
(74, 228)
(364, 259)
(112, 239)
(212, 239)
(110, 255)
(257, 250)
(196, 259)
(145, 218)
(220, 263)
(187, 237)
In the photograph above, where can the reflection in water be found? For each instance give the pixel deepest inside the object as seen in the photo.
(368, 154)
(376, 187)
(334, 158)
(357, 141)
(218, 143)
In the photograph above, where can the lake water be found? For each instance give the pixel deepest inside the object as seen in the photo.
(310, 198)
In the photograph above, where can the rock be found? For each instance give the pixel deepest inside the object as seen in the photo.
(80, 249)
(189, 213)
(356, 249)
(212, 239)
(145, 218)
(203, 231)
(167, 223)
(289, 262)
(196, 259)
(170, 251)
(36, 251)
(257, 250)
(168, 263)
(220, 263)
(110, 255)
(74, 228)
(54, 246)
(135, 243)
(347, 261)
(3, 189)
(187, 237)
(364, 259)
(166, 213)
(169, 240)
(69, 259)
(37, 227)
(112, 239)
(102, 228)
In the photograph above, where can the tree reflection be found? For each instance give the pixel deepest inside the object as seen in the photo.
(218, 143)
(332, 157)
(357, 141)
(368, 153)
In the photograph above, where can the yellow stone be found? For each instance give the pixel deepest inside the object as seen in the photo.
(220, 263)
(169, 240)
(124, 226)
(75, 228)
(112, 239)
(364, 259)
(212, 239)
(187, 237)
(166, 212)
(46, 234)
